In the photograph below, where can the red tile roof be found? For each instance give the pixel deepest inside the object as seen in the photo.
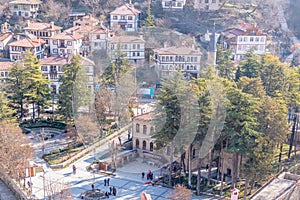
(87, 18)
(4, 36)
(144, 117)
(28, 42)
(5, 65)
(26, 2)
(41, 26)
(67, 36)
(126, 9)
(55, 60)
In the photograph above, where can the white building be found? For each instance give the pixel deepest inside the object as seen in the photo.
(243, 39)
(173, 4)
(183, 59)
(52, 68)
(42, 30)
(131, 47)
(66, 43)
(4, 70)
(207, 4)
(125, 17)
(35, 45)
(25, 8)
(5, 39)
(87, 20)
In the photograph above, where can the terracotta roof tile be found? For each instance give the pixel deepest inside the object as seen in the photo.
(127, 9)
(25, 2)
(87, 18)
(41, 26)
(144, 117)
(126, 39)
(67, 36)
(5, 65)
(177, 51)
(28, 42)
(55, 60)
(4, 36)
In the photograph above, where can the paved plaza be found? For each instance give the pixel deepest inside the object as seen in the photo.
(128, 180)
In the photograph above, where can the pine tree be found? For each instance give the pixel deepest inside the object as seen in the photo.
(6, 113)
(250, 66)
(149, 21)
(225, 66)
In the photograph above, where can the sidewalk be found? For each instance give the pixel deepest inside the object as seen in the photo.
(5, 192)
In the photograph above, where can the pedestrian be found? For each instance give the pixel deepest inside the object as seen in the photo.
(104, 182)
(148, 176)
(143, 175)
(28, 184)
(114, 191)
(207, 167)
(74, 169)
(110, 190)
(107, 195)
(107, 182)
(151, 176)
(120, 141)
(93, 187)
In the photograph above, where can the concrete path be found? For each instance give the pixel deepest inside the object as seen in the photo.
(5, 192)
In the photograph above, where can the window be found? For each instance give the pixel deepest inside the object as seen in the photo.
(179, 5)
(144, 145)
(151, 130)
(256, 39)
(245, 39)
(151, 146)
(69, 51)
(133, 46)
(137, 143)
(195, 59)
(122, 17)
(54, 50)
(262, 39)
(69, 43)
(206, 1)
(137, 128)
(214, 1)
(129, 25)
(194, 153)
(54, 42)
(44, 68)
(96, 44)
(98, 37)
(251, 39)
(133, 54)
(138, 46)
(145, 130)
(130, 18)
(115, 17)
(125, 46)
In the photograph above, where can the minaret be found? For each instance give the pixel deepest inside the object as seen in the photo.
(212, 49)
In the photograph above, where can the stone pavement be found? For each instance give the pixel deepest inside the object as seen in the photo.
(5, 192)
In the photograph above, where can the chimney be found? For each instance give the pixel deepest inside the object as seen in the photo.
(52, 25)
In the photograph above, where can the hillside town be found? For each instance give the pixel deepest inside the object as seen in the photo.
(149, 99)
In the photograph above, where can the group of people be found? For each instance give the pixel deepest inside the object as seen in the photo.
(112, 190)
(149, 175)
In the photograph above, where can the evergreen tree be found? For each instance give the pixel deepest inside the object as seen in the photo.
(6, 113)
(38, 90)
(225, 66)
(250, 66)
(73, 90)
(17, 88)
(149, 21)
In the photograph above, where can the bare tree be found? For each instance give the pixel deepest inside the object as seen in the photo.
(56, 190)
(14, 150)
(180, 193)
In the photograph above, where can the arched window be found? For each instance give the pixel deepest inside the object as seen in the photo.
(151, 130)
(137, 128)
(145, 130)
(151, 146)
(137, 143)
(144, 145)
(194, 153)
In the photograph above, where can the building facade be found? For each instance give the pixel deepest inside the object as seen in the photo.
(4, 70)
(130, 47)
(173, 4)
(125, 17)
(5, 39)
(66, 43)
(53, 68)
(25, 8)
(207, 4)
(30, 43)
(244, 39)
(183, 59)
(87, 20)
(42, 30)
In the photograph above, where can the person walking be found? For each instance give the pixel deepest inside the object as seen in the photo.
(93, 187)
(143, 175)
(114, 190)
(104, 182)
(110, 190)
(107, 182)
(74, 169)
